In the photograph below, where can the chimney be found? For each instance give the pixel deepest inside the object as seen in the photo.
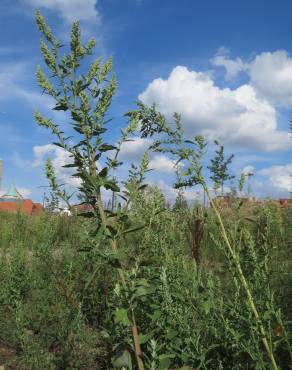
(1, 171)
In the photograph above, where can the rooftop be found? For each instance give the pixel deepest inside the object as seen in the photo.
(12, 193)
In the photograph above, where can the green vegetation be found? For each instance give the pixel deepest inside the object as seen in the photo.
(138, 284)
(63, 307)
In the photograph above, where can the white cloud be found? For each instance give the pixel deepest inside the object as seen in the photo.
(162, 163)
(191, 194)
(13, 77)
(40, 152)
(271, 75)
(248, 169)
(278, 177)
(232, 66)
(236, 117)
(69, 10)
(60, 157)
(24, 192)
(135, 148)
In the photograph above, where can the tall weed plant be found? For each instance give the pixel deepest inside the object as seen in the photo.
(138, 284)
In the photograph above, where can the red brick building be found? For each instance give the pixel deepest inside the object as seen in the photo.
(13, 202)
(25, 206)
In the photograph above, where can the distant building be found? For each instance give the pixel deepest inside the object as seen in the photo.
(285, 202)
(12, 194)
(227, 200)
(13, 202)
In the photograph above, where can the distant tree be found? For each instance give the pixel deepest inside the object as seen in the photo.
(51, 202)
(180, 201)
(219, 168)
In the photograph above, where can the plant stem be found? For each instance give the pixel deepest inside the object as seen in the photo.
(138, 351)
(243, 281)
(135, 333)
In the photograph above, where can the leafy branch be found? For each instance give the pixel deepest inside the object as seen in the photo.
(85, 99)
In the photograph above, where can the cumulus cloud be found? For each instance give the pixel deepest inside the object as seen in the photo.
(278, 177)
(170, 193)
(60, 158)
(69, 10)
(135, 148)
(236, 117)
(232, 66)
(162, 163)
(271, 75)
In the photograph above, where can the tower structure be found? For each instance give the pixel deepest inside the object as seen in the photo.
(12, 194)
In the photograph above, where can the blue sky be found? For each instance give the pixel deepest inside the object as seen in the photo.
(226, 66)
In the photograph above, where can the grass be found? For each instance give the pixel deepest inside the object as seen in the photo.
(62, 305)
(144, 285)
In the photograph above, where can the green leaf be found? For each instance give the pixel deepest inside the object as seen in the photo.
(123, 360)
(103, 172)
(156, 315)
(144, 338)
(106, 147)
(90, 279)
(116, 259)
(133, 229)
(170, 334)
(70, 165)
(165, 361)
(189, 142)
(61, 106)
(59, 145)
(97, 156)
(77, 117)
(113, 230)
(111, 185)
(121, 316)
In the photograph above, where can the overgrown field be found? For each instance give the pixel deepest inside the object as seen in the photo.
(138, 284)
(62, 304)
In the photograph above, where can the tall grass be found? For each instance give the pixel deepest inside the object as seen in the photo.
(54, 315)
